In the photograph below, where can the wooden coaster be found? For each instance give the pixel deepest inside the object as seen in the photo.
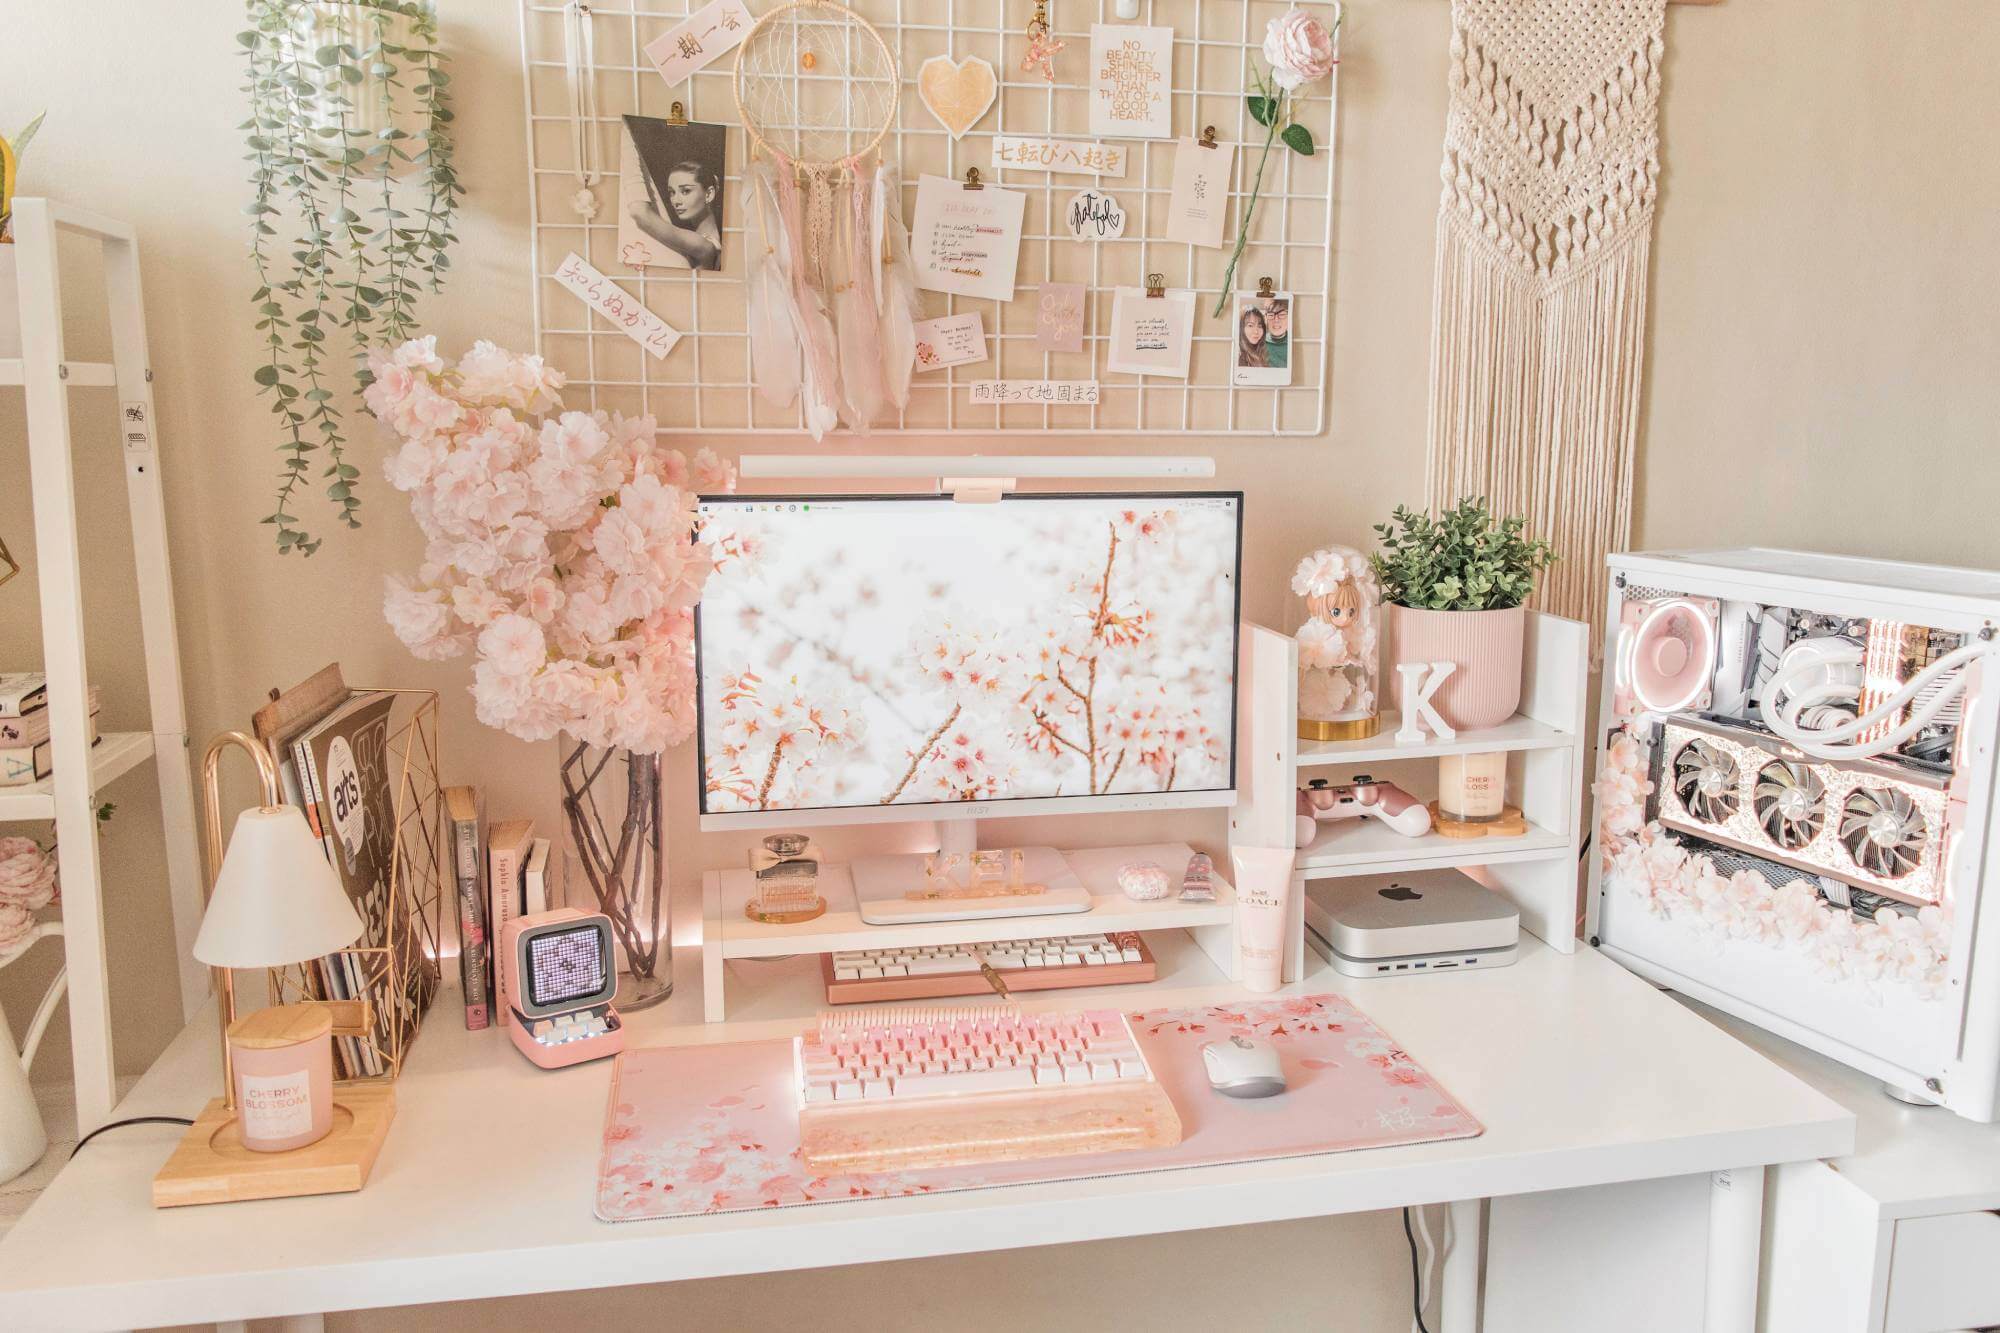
(1510, 824)
(212, 1165)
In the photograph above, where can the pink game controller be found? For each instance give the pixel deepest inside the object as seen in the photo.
(1384, 801)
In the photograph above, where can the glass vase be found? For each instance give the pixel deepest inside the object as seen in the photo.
(615, 861)
(1335, 620)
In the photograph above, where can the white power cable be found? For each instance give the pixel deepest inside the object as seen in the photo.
(1427, 1250)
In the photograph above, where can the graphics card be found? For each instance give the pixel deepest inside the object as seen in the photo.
(1872, 824)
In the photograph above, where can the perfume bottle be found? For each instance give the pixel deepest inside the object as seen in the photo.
(786, 870)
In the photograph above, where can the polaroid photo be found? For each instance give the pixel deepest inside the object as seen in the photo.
(670, 194)
(1263, 337)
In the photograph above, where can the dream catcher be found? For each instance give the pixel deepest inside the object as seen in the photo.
(832, 300)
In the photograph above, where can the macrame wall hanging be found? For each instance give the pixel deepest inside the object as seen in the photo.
(1551, 163)
(831, 297)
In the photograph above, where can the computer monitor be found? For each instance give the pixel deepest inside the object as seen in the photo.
(866, 659)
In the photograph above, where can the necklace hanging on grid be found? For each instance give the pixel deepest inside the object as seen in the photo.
(705, 385)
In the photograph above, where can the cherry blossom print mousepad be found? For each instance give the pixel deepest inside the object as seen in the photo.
(694, 1130)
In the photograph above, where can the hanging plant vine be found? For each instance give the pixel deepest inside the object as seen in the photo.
(369, 206)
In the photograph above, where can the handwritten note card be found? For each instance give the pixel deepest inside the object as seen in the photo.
(1059, 393)
(623, 309)
(966, 242)
(1131, 81)
(1201, 192)
(1094, 216)
(1059, 317)
(710, 31)
(952, 340)
(1071, 156)
(1150, 334)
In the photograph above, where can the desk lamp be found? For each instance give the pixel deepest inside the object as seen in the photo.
(275, 900)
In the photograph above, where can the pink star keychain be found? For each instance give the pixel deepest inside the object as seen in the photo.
(1042, 47)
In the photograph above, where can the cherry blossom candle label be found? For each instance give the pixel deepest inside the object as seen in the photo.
(1339, 647)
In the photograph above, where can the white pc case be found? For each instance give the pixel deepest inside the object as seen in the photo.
(1838, 899)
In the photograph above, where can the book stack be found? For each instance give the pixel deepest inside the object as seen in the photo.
(26, 754)
(502, 875)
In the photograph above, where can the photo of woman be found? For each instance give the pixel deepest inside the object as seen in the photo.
(1263, 341)
(671, 195)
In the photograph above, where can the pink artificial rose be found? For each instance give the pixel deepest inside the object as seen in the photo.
(27, 875)
(16, 922)
(1299, 48)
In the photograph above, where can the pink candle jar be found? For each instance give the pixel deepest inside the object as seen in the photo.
(283, 1058)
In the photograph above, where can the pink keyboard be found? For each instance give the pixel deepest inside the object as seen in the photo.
(913, 1087)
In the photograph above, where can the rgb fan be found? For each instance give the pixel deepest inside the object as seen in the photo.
(1883, 831)
(1705, 781)
(1790, 802)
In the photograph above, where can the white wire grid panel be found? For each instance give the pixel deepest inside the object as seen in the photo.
(704, 385)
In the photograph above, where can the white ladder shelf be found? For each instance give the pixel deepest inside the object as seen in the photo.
(69, 795)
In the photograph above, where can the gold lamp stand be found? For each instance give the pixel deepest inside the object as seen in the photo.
(211, 1165)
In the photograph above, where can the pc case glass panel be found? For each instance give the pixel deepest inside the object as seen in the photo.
(861, 652)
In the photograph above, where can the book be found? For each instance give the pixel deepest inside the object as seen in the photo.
(32, 728)
(465, 810)
(22, 692)
(348, 775)
(535, 896)
(506, 869)
(30, 756)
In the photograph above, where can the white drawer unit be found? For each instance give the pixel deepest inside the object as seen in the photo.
(1944, 1272)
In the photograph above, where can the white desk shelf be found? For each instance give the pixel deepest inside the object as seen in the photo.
(1544, 742)
(115, 754)
(1205, 930)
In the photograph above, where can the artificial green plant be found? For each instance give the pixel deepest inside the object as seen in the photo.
(348, 224)
(1460, 561)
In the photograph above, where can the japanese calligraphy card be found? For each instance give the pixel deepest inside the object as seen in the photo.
(1151, 335)
(966, 242)
(1201, 192)
(1131, 81)
(710, 31)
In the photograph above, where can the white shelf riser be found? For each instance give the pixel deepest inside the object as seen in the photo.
(1519, 732)
(115, 755)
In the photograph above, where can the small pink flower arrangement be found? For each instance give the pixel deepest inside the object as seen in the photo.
(562, 547)
(27, 884)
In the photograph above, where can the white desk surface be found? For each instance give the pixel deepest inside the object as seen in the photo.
(1582, 1074)
(1913, 1161)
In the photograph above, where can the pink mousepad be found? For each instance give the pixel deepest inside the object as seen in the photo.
(711, 1129)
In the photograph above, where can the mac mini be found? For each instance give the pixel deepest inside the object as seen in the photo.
(1416, 921)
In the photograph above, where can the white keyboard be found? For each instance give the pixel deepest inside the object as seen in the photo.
(935, 960)
(910, 1054)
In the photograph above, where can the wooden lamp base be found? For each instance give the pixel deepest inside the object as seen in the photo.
(211, 1165)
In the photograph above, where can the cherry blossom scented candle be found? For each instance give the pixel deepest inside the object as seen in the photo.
(283, 1058)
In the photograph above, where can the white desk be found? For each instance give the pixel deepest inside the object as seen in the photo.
(1582, 1074)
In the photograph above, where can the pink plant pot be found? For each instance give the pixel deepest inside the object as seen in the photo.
(1485, 646)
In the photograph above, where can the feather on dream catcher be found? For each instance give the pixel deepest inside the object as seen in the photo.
(832, 300)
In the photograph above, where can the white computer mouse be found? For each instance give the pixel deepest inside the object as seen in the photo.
(1243, 1067)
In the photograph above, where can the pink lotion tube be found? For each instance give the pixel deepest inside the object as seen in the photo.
(1263, 893)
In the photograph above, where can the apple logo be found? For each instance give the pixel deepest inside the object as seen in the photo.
(1401, 893)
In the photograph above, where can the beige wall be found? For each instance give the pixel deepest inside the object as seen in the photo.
(1822, 374)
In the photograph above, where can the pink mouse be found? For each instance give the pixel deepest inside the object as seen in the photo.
(1384, 801)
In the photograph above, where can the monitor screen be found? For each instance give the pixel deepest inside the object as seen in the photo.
(857, 653)
(567, 965)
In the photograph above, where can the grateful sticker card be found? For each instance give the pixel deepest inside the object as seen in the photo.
(951, 340)
(1201, 192)
(966, 242)
(1059, 317)
(1131, 81)
(713, 30)
(1151, 335)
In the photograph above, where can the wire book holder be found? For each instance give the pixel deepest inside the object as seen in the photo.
(399, 977)
(704, 384)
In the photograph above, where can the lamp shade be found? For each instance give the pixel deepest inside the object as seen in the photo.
(277, 900)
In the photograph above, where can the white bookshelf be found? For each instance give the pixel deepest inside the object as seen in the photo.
(1544, 742)
(32, 323)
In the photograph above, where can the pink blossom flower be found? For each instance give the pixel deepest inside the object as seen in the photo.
(27, 873)
(16, 922)
(514, 644)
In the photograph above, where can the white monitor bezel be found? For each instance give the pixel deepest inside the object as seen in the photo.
(837, 816)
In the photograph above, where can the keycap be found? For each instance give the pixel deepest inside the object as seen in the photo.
(982, 1080)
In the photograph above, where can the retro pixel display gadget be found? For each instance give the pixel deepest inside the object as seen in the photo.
(558, 991)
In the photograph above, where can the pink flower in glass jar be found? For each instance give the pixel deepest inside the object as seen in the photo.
(1299, 48)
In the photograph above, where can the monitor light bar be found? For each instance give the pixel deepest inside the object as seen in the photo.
(998, 467)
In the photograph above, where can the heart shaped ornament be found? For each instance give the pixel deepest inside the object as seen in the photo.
(959, 92)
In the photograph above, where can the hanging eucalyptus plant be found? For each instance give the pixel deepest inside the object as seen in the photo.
(351, 216)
